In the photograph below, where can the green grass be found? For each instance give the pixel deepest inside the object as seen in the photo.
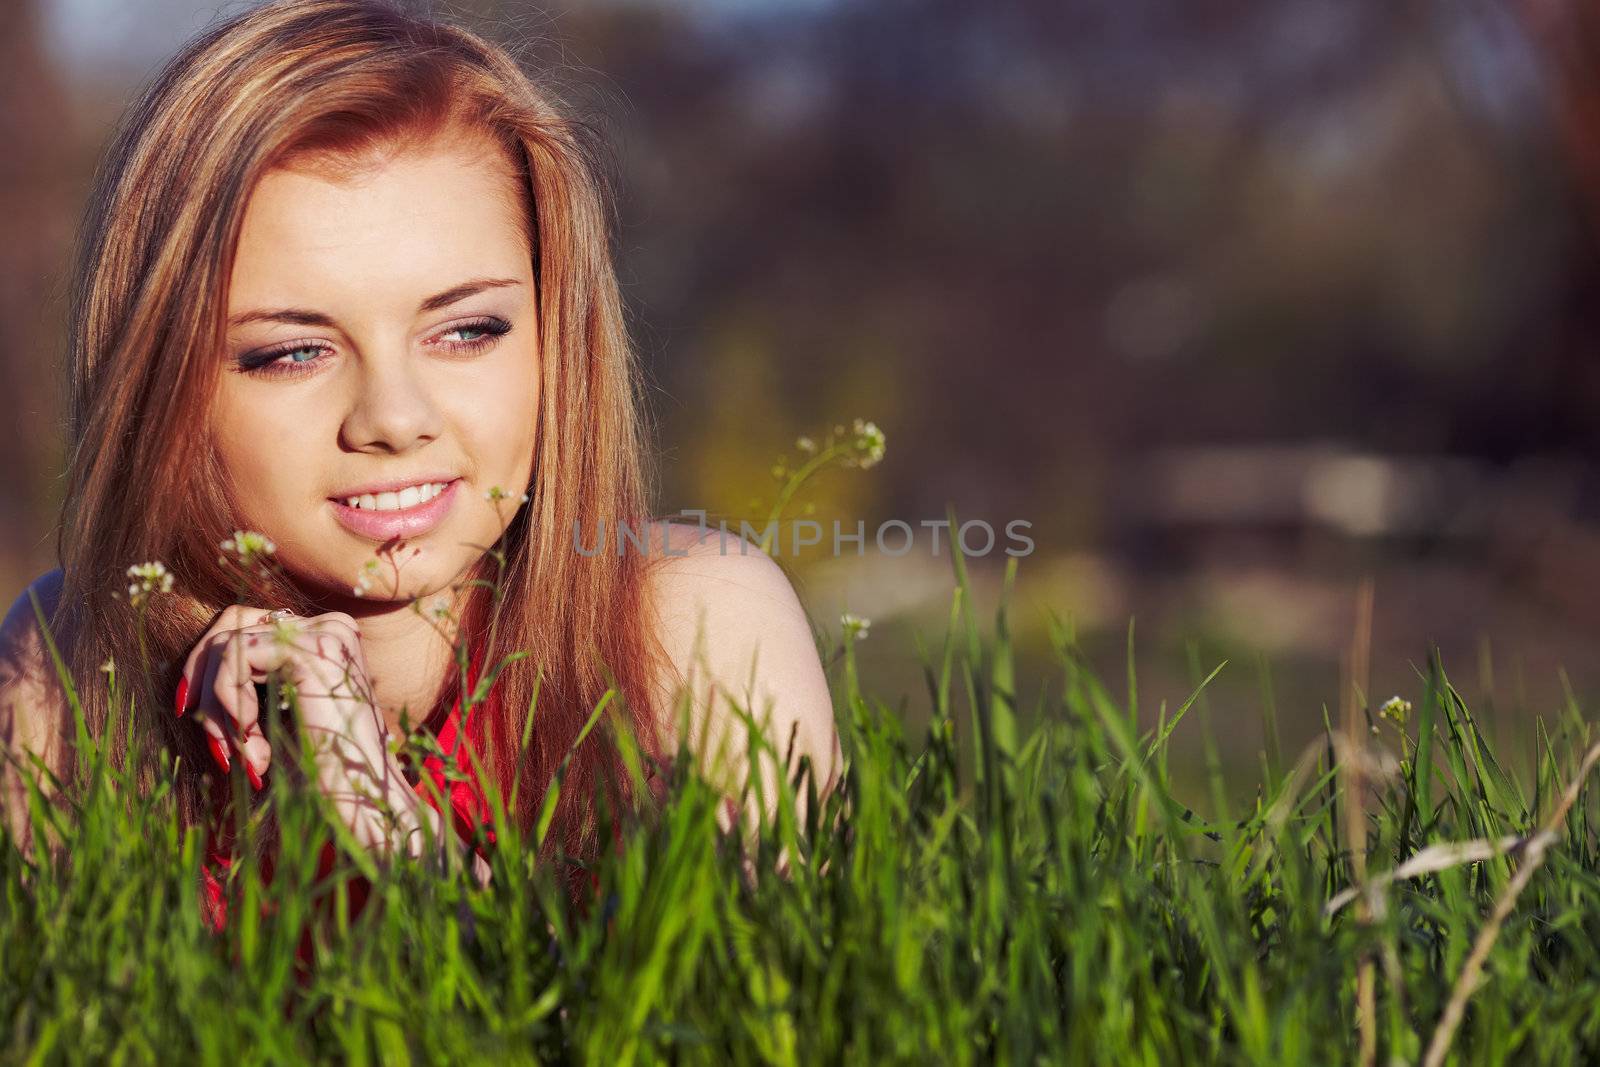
(1049, 899)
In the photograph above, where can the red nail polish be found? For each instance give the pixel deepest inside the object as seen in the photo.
(183, 694)
(219, 754)
(250, 773)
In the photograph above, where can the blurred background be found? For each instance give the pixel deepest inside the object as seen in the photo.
(1235, 303)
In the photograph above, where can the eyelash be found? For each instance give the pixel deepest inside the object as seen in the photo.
(264, 362)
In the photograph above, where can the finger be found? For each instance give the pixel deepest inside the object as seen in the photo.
(338, 623)
(209, 712)
(217, 707)
(333, 646)
(256, 751)
(202, 665)
(339, 648)
(192, 677)
(233, 617)
(217, 713)
(318, 657)
(235, 681)
(311, 658)
(340, 616)
(248, 658)
(319, 660)
(195, 665)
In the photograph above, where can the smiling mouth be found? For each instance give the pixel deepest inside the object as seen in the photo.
(402, 500)
(410, 512)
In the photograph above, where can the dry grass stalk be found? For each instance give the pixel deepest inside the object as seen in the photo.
(1355, 815)
(1472, 970)
(1438, 858)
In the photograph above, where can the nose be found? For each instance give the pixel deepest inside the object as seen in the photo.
(393, 410)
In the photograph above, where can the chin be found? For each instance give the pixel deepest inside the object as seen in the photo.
(407, 576)
(413, 571)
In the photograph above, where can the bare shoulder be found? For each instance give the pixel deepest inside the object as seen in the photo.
(33, 707)
(735, 632)
(709, 569)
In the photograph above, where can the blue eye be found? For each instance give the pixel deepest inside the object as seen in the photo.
(470, 335)
(284, 359)
(293, 358)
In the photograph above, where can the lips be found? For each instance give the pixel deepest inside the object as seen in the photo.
(415, 521)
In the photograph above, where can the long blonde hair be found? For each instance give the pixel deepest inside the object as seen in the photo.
(147, 318)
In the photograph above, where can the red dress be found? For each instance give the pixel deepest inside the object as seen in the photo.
(469, 809)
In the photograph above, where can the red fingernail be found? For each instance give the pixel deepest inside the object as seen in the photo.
(219, 754)
(183, 694)
(250, 773)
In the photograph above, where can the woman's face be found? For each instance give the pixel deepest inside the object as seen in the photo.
(382, 341)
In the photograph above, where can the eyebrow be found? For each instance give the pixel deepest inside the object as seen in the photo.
(436, 302)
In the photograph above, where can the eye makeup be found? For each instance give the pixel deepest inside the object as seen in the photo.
(269, 362)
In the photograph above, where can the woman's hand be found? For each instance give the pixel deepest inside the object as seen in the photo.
(323, 659)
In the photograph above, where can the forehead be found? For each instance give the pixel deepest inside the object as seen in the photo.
(393, 224)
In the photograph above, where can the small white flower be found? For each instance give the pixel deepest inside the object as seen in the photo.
(149, 579)
(109, 666)
(868, 443)
(369, 570)
(805, 444)
(855, 626)
(249, 546)
(1396, 708)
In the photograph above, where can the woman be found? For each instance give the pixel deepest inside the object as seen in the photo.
(345, 283)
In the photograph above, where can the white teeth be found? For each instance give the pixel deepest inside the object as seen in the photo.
(408, 497)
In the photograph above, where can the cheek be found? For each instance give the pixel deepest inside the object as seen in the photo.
(267, 452)
(498, 420)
